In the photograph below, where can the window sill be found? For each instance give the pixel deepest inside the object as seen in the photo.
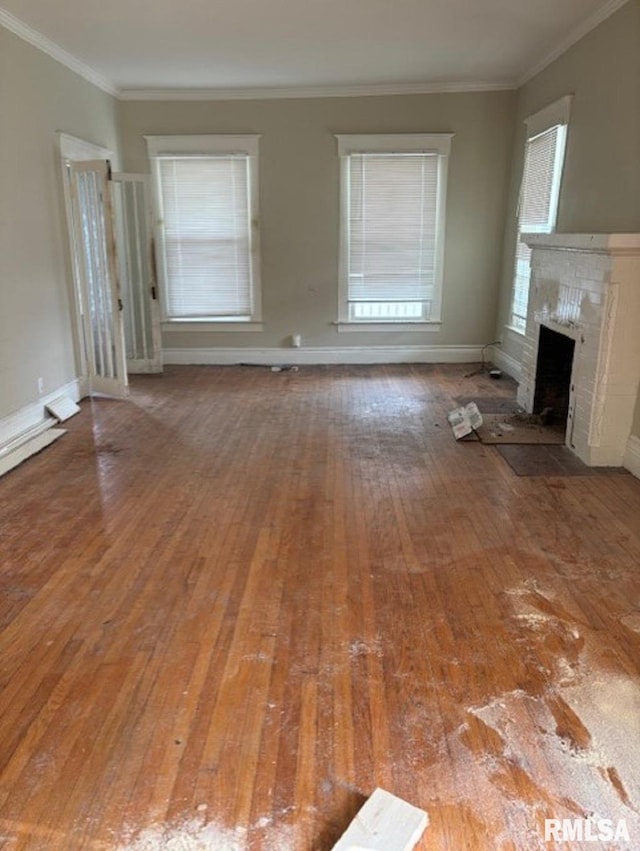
(196, 326)
(357, 327)
(511, 329)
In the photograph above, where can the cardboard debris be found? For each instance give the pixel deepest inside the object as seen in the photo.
(465, 420)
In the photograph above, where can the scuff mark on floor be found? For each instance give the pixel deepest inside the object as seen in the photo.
(196, 834)
(576, 711)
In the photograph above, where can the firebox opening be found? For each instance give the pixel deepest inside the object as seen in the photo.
(553, 377)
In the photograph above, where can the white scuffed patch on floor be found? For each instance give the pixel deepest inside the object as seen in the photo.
(361, 647)
(194, 834)
(583, 777)
(189, 835)
(631, 621)
(609, 707)
(582, 720)
(574, 720)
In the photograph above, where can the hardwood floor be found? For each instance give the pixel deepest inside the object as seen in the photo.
(237, 602)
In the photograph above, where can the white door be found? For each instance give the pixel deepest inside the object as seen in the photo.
(136, 269)
(99, 297)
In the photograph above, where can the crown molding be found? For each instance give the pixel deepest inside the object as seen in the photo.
(41, 42)
(35, 38)
(574, 36)
(334, 91)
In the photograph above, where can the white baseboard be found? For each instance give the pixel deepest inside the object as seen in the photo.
(506, 363)
(33, 419)
(632, 456)
(324, 355)
(26, 449)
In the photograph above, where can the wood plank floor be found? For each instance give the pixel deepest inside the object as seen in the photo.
(237, 602)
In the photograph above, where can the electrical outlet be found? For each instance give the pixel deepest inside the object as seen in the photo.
(41, 385)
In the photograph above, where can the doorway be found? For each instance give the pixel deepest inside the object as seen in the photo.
(117, 320)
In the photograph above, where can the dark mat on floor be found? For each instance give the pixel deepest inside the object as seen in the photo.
(538, 460)
(490, 404)
(518, 428)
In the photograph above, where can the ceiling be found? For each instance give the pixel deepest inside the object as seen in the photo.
(153, 46)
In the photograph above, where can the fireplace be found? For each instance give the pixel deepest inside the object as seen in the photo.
(585, 290)
(552, 394)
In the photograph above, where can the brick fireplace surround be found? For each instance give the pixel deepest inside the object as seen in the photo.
(587, 287)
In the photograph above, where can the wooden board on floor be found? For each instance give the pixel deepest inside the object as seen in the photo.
(384, 823)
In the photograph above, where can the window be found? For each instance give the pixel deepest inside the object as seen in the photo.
(539, 194)
(206, 195)
(393, 191)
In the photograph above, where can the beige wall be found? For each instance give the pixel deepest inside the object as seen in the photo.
(600, 191)
(38, 97)
(299, 204)
(299, 193)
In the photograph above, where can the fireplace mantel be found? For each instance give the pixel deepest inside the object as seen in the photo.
(586, 243)
(587, 287)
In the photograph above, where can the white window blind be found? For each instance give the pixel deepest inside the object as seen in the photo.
(206, 235)
(392, 231)
(393, 198)
(206, 227)
(538, 208)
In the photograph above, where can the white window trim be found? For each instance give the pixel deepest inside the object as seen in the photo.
(355, 326)
(208, 145)
(204, 326)
(74, 149)
(392, 143)
(556, 113)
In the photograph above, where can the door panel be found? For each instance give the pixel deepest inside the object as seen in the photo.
(98, 280)
(134, 240)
